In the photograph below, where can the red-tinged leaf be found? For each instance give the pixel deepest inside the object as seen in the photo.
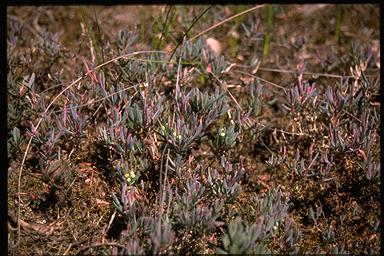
(362, 153)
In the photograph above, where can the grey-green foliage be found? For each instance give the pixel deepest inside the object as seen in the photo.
(226, 138)
(225, 187)
(203, 103)
(254, 102)
(194, 112)
(190, 210)
(132, 247)
(15, 141)
(124, 40)
(192, 52)
(242, 239)
(161, 237)
(339, 249)
(204, 106)
(219, 64)
(270, 211)
(270, 219)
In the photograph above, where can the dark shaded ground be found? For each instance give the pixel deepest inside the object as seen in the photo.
(75, 213)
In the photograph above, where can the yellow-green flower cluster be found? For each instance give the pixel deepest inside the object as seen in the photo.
(130, 177)
(222, 132)
(177, 136)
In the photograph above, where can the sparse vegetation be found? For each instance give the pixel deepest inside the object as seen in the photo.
(266, 145)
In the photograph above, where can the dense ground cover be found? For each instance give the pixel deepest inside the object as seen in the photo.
(260, 135)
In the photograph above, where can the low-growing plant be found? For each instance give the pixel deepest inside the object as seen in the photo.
(184, 152)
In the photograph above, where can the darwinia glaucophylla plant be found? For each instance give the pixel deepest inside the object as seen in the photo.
(339, 124)
(301, 100)
(171, 127)
(170, 136)
(191, 199)
(270, 219)
(196, 112)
